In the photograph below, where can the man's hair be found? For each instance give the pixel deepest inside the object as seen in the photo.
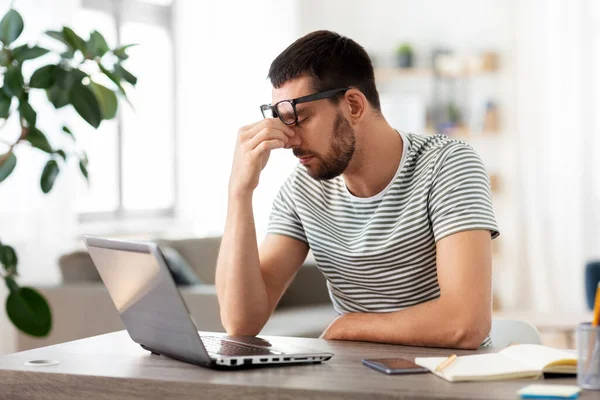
(331, 60)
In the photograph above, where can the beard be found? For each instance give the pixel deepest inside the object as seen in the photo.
(335, 162)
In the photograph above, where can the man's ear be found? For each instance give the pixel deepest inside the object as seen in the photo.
(357, 105)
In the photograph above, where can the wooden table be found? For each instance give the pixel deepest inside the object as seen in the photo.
(112, 366)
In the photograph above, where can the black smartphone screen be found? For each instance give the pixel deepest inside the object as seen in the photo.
(393, 366)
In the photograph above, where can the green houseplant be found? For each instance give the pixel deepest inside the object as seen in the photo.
(72, 81)
(405, 55)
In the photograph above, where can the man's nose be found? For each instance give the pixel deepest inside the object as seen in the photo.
(294, 141)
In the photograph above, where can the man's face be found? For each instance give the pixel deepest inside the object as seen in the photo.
(324, 141)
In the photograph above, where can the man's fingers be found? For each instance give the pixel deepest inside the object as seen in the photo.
(269, 145)
(267, 134)
(248, 127)
(273, 123)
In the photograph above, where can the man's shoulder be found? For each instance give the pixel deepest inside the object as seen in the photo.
(426, 144)
(435, 149)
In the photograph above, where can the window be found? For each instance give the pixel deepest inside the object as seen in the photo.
(132, 158)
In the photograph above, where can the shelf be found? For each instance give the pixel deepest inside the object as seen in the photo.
(382, 74)
(466, 134)
(494, 183)
(387, 74)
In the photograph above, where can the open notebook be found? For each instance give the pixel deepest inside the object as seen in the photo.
(514, 362)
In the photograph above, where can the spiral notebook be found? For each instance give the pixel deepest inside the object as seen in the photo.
(524, 361)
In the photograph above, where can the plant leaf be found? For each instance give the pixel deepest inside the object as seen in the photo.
(120, 51)
(49, 175)
(113, 78)
(107, 100)
(4, 57)
(7, 166)
(11, 27)
(13, 81)
(97, 45)
(63, 77)
(8, 258)
(74, 40)
(43, 78)
(38, 140)
(57, 96)
(27, 112)
(29, 311)
(68, 131)
(25, 52)
(62, 154)
(58, 35)
(86, 104)
(69, 54)
(5, 102)
(83, 163)
(128, 76)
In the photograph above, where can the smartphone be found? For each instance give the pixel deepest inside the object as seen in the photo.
(395, 366)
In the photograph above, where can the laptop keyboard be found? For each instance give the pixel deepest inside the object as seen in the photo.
(227, 348)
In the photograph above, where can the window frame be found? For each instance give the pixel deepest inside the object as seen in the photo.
(153, 14)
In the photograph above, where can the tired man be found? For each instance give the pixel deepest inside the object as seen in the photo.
(400, 224)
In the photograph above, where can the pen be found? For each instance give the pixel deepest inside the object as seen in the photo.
(446, 363)
(596, 319)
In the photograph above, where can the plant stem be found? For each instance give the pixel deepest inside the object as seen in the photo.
(24, 132)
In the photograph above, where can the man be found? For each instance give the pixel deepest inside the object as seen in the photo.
(400, 224)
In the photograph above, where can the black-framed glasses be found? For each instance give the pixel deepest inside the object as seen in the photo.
(285, 110)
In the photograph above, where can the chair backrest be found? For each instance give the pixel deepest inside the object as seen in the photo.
(508, 331)
(592, 280)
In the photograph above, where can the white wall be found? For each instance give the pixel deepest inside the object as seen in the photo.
(224, 52)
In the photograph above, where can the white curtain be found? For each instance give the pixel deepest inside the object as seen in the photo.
(555, 150)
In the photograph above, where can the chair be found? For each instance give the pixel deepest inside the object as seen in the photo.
(508, 331)
(592, 279)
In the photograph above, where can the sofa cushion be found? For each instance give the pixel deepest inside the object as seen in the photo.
(309, 287)
(181, 271)
(78, 267)
(200, 253)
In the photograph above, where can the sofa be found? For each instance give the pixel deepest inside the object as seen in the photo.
(81, 305)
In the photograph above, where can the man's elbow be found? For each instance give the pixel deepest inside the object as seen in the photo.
(470, 334)
(240, 326)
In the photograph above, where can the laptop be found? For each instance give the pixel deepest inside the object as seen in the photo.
(156, 317)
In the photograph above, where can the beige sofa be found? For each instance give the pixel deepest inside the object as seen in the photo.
(81, 305)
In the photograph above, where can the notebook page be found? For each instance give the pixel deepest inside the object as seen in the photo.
(478, 367)
(538, 356)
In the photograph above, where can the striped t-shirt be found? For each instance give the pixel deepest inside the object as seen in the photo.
(378, 254)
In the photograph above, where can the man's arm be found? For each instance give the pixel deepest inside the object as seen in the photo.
(459, 318)
(250, 281)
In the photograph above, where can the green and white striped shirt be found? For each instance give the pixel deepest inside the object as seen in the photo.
(378, 254)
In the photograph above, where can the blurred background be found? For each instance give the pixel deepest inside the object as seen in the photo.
(518, 80)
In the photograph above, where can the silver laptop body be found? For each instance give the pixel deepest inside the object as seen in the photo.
(156, 317)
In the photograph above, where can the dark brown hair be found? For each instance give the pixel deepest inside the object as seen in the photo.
(331, 60)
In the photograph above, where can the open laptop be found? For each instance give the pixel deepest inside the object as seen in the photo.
(156, 317)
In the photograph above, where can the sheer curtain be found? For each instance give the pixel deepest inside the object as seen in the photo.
(555, 147)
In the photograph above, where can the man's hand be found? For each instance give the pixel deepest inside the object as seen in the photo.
(252, 151)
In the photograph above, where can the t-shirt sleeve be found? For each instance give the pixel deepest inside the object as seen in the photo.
(460, 198)
(284, 219)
